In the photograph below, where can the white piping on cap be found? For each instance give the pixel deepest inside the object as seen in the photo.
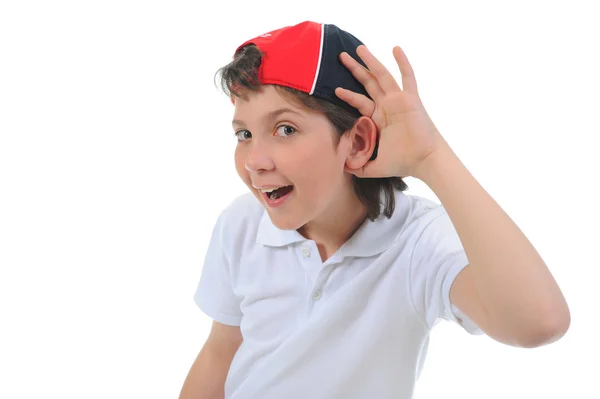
(320, 57)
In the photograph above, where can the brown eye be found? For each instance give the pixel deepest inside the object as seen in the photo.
(286, 130)
(243, 135)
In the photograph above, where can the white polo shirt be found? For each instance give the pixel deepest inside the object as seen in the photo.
(355, 326)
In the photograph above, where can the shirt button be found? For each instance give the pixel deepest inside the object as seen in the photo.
(306, 252)
(316, 295)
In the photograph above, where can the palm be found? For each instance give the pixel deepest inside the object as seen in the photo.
(407, 134)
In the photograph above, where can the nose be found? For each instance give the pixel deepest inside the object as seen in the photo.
(258, 158)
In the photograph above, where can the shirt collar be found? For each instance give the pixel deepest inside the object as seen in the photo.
(372, 238)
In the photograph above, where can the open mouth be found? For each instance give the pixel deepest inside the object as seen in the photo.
(280, 192)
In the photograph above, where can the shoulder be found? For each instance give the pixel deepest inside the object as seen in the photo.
(426, 224)
(421, 212)
(430, 229)
(239, 220)
(243, 206)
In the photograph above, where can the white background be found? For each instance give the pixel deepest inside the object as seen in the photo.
(116, 156)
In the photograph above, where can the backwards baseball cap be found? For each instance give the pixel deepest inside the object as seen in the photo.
(305, 57)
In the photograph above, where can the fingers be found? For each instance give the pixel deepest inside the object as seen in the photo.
(377, 79)
(359, 101)
(409, 83)
(363, 75)
(383, 76)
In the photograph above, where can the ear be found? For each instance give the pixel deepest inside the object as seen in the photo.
(363, 137)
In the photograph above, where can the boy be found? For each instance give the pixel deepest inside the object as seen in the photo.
(326, 280)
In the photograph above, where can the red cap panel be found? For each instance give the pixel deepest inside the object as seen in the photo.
(291, 55)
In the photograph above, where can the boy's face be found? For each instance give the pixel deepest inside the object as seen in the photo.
(284, 145)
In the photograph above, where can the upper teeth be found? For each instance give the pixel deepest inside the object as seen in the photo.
(269, 190)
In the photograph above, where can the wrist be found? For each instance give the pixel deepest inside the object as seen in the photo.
(434, 163)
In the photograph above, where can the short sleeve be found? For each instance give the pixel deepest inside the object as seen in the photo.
(437, 259)
(214, 294)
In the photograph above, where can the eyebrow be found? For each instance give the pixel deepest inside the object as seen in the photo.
(270, 116)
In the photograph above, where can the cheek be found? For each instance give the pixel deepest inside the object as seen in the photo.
(240, 165)
(321, 161)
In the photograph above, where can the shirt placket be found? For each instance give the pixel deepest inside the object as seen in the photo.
(317, 275)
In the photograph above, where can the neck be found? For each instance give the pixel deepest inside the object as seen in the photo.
(332, 229)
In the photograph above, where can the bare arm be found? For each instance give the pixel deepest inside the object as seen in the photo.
(507, 289)
(206, 378)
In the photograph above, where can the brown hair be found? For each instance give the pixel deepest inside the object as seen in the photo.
(242, 73)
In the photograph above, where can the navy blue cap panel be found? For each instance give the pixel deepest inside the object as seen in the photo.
(333, 73)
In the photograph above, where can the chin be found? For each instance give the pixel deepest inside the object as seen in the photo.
(285, 223)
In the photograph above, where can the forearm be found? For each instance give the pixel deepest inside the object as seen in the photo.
(510, 277)
(206, 378)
